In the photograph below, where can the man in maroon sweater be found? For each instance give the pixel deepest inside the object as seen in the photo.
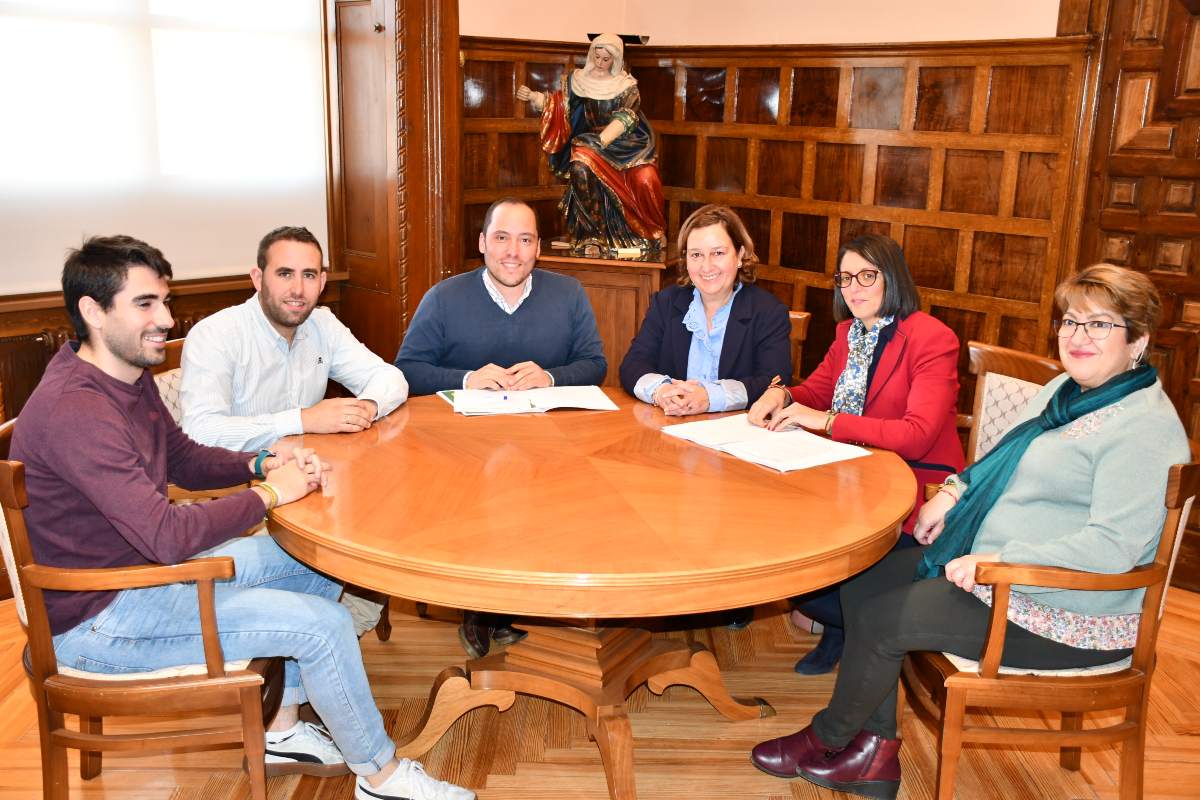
(99, 448)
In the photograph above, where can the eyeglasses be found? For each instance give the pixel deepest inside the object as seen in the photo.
(865, 277)
(1097, 330)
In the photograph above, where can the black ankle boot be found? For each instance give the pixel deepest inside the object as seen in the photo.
(825, 656)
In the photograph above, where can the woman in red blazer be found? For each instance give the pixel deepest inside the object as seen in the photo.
(889, 380)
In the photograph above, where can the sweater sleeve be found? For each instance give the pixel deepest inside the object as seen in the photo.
(424, 348)
(1125, 516)
(107, 468)
(586, 364)
(932, 394)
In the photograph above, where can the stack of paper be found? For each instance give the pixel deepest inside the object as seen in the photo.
(473, 402)
(780, 450)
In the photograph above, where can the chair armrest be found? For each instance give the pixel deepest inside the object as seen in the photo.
(89, 580)
(1002, 576)
(1062, 578)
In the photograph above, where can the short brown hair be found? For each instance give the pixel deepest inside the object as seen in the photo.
(99, 269)
(288, 233)
(1131, 295)
(713, 214)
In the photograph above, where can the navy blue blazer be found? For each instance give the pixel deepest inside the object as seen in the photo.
(755, 349)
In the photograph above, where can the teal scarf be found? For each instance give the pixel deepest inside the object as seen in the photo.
(988, 477)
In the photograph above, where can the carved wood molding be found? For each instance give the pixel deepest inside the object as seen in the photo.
(1179, 85)
(1134, 129)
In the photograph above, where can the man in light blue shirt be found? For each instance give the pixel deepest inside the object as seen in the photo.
(257, 372)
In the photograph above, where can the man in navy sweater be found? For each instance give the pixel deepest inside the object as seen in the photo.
(503, 326)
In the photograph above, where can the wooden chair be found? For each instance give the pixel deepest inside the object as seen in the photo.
(798, 334)
(168, 376)
(250, 689)
(941, 687)
(1006, 380)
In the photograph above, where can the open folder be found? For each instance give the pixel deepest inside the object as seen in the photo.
(473, 402)
(780, 450)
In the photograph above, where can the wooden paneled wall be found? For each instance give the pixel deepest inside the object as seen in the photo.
(1143, 199)
(962, 152)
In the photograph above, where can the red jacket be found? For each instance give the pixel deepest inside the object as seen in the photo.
(911, 400)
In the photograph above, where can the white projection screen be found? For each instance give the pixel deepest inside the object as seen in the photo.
(196, 126)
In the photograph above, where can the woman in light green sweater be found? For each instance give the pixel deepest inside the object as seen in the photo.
(1078, 482)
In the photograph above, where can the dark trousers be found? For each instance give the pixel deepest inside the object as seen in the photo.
(825, 605)
(888, 614)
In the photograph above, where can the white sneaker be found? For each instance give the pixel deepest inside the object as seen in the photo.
(409, 782)
(304, 749)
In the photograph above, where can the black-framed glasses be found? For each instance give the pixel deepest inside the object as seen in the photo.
(865, 277)
(1097, 329)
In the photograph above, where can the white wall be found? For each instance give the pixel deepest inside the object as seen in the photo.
(699, 22)
(196, 126)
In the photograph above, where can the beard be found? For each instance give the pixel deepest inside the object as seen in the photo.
(280, 315)
(130, 349)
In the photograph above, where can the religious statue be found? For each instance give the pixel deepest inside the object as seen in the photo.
(600, 142)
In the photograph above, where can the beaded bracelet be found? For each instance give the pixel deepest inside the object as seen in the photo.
(271, 490)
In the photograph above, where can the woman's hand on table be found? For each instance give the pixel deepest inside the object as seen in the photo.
(961, 571)
(767, 406)
(681, 398)
(797, 415)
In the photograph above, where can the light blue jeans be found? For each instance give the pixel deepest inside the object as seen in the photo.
(274, 606)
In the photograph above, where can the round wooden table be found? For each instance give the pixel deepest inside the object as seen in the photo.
(583, 517)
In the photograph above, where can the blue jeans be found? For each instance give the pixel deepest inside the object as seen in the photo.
(274, 606)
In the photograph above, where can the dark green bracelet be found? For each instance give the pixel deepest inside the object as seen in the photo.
(263, 455)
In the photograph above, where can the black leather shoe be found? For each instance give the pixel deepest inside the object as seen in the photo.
(826, 655)
(505, 634)
(739, 618)
(475, 634)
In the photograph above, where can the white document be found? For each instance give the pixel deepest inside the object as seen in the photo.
(784, 451)
(489, 401)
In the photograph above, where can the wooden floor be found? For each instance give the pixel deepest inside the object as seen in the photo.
(684, 749)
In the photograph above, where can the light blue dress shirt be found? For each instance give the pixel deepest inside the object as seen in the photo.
(704, 359)
(243, 387)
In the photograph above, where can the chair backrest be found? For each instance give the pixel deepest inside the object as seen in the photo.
(168, 375)
(10, 564)
(1006, 381)
(1183, 483)
(799, 321)
(14, 541)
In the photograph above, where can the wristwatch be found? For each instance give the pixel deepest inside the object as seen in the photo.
(263, 455)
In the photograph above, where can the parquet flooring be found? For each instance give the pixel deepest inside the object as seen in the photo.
(684, 749)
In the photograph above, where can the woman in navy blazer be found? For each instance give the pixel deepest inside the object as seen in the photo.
(890, 380)
(716, 341)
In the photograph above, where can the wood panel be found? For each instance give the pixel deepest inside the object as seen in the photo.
(619, 292)
(815, 96)
(1142, 189)
(392, 220)
(964, 152)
